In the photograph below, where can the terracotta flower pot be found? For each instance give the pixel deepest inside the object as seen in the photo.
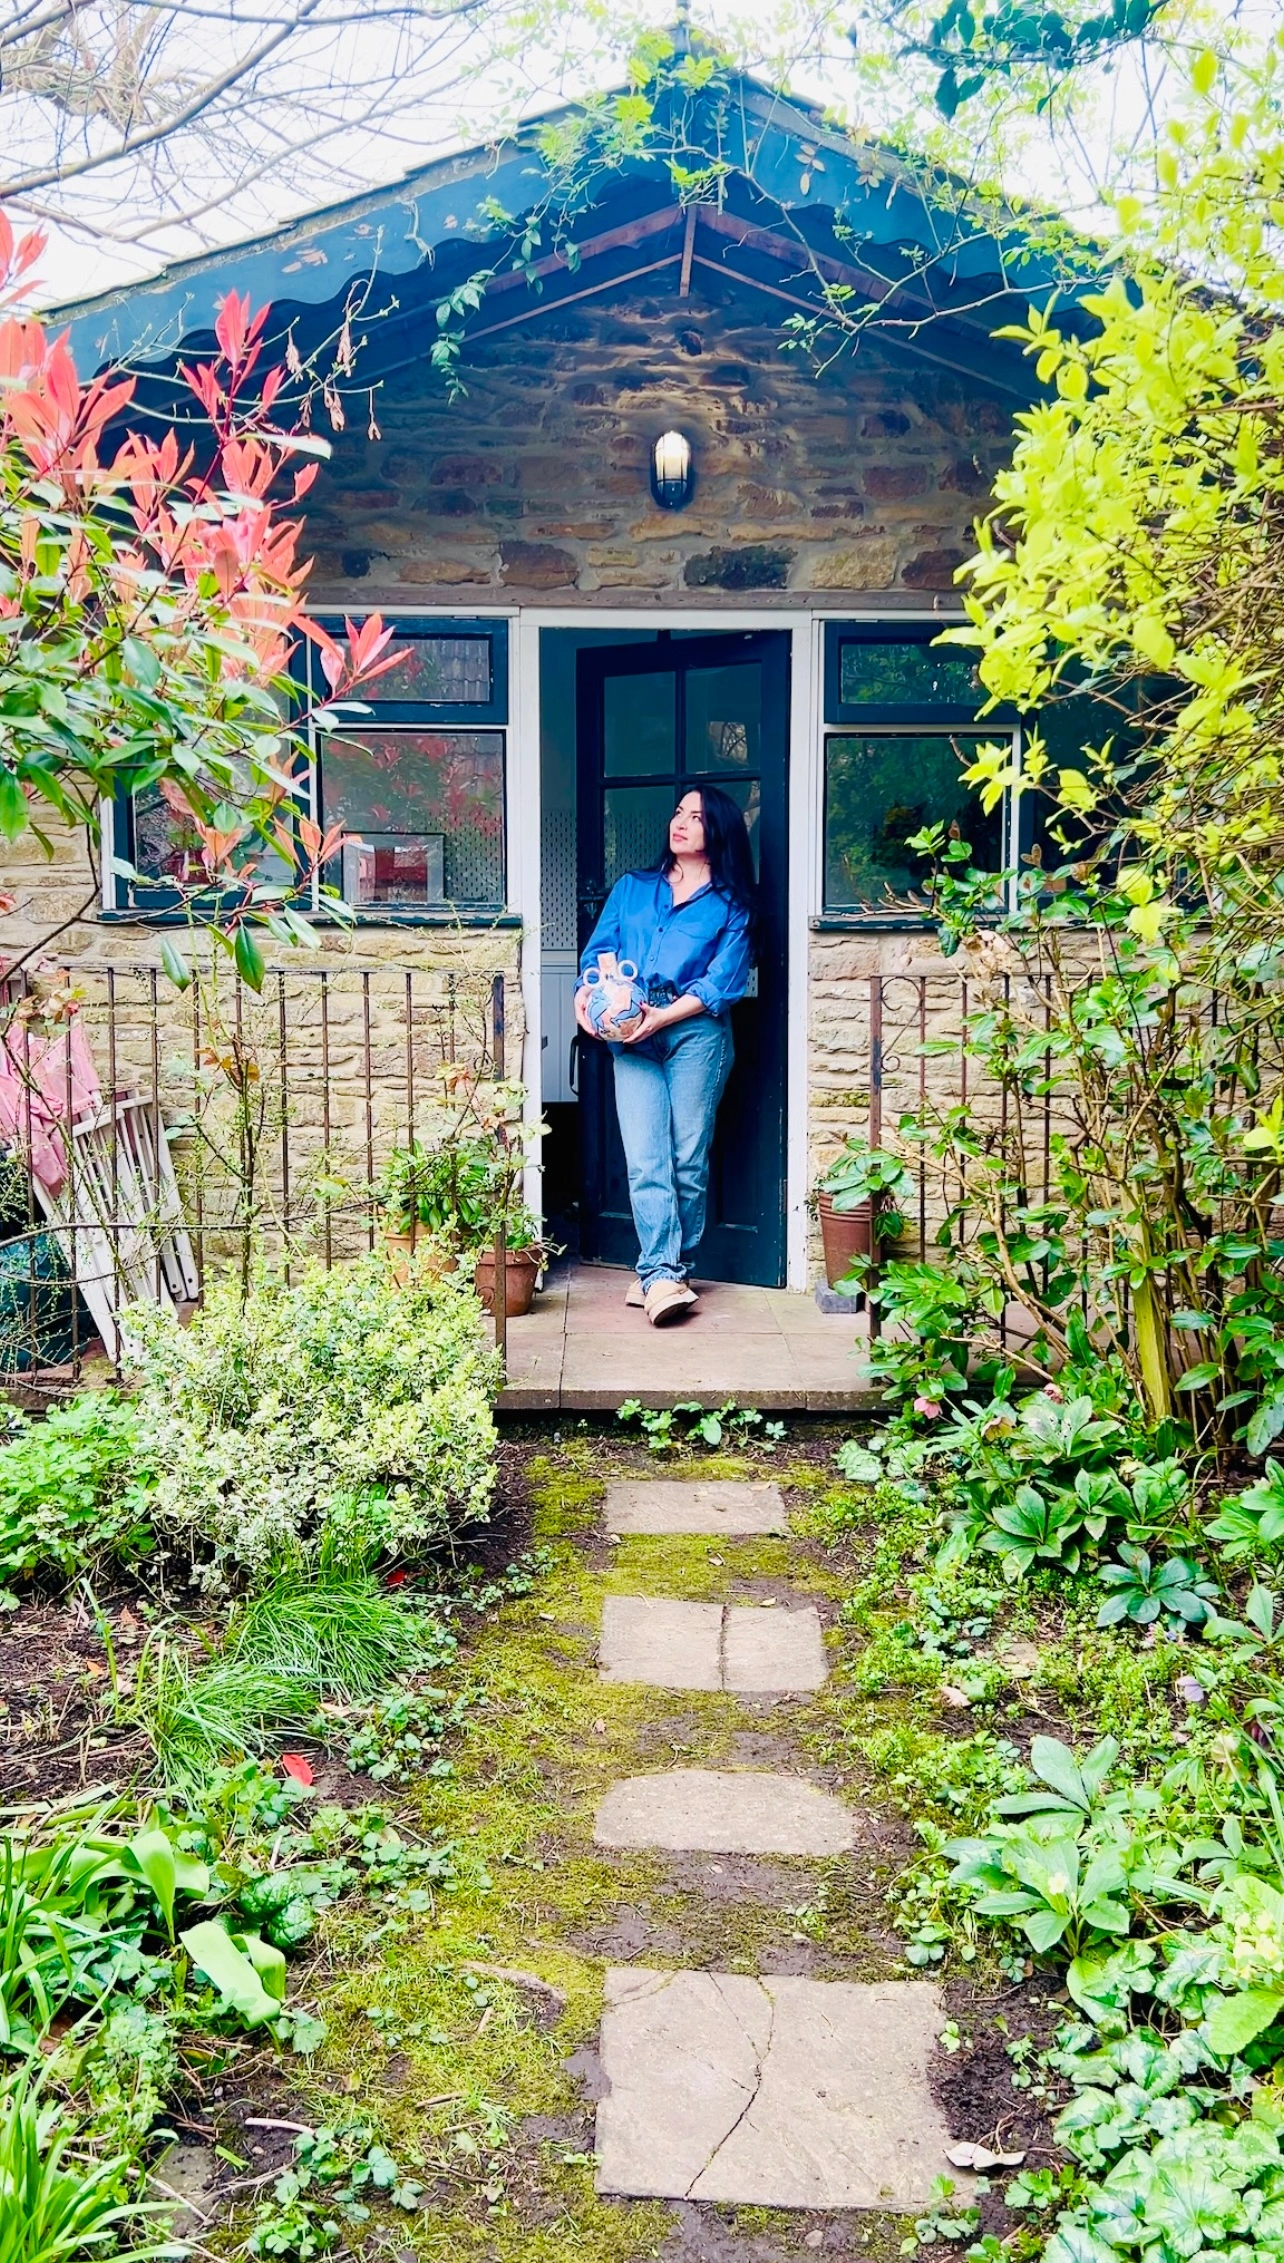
(431, 1257)
(521, 1272)
(844, 1234)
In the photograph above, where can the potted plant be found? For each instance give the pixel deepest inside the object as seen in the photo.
(525, 1255)
(857, 1199)
(436, 1201)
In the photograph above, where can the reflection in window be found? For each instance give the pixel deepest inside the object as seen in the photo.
(882, 787)
(906, 675)
(437, 671)
(640, 724)
(724, 717)
(166, 843)
(424, 812)
(167, 847)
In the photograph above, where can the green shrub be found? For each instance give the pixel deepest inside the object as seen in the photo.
(74, 1487)
(334, 1410)
(305, 1637)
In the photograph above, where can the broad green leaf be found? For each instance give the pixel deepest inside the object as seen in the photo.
(234, 1974)
(154, 1855)
(1232, 2024)
(268, 1962)
(175, 965)
(1077, 2245)
(1055, 1764)
(1043, 1928)
(857, 1464)
(13, 806)
(248, 958)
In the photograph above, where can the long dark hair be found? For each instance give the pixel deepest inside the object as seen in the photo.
(727, 850)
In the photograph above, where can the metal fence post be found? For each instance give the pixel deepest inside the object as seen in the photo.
(499, 1294)
(875, 1140)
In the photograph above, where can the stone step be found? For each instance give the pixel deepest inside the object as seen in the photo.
(772, 2093)
(723, 1505)
(674, 1645)
(724, 1811)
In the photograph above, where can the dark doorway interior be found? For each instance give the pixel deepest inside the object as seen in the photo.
(651, 721)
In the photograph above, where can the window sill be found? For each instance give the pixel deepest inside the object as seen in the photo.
(871, 923)
(386, 916)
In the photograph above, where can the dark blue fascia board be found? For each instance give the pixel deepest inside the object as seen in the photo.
(794, 160)
(391, 233)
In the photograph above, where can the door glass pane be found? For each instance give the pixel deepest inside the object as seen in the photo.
(635, 827)
(724, 718)
(747, 795)
(883, 787)
(906, 675)
(425, 812)
(639, 725)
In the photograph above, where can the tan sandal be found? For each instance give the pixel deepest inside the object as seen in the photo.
(667, 1301)
(635, 1296)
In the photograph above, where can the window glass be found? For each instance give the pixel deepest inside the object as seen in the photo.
(634, 827)
(724, 718)
(167, 846)
(424, 810)
(906, 675)
(639, 725)
(166, 843)
(435, 671)
(881, 787)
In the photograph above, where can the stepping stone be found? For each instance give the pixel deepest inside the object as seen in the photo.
(653, 1639)
(717, 1811)
(723, 1505)
(773, 1650)
(779, 2093)
(672, 1645)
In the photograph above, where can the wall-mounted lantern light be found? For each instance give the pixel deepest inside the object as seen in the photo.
(672, 471)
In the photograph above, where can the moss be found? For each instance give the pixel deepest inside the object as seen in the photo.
(470, 2076)
(457, 2065)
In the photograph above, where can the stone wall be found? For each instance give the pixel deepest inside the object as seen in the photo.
(863, 478)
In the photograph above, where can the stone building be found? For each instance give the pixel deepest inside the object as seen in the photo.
(582, 639)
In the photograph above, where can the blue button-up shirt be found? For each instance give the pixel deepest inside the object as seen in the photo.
(700, 946)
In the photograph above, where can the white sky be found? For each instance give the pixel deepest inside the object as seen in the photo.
(122, 233)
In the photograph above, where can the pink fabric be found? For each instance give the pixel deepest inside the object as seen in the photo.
(35, 1074)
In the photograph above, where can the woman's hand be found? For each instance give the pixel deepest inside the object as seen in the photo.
(582, 1012)
(651, 1019)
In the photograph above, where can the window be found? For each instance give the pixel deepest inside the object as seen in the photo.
(417, 782)
(423, 811)
(419, 786)
(900, 717)
(883, 787)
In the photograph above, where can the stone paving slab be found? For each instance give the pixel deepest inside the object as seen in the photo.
(777, 2093)
(773, 1650)
(669, 1504)
(724, 1811)
(581, 1349)
(653, 1639)
(673, 1645)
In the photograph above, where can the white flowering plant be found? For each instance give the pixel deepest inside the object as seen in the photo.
(335, 1409)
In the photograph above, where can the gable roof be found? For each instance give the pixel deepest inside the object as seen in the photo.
(796, 207)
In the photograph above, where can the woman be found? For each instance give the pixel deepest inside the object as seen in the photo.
(688, 926)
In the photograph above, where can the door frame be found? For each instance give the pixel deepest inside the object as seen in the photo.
(804, 736)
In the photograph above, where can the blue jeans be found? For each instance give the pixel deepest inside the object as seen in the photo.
(667, 1091)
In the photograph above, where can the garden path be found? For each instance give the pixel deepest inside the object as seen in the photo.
(772, 2090)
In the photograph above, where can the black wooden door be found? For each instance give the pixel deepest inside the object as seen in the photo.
(653, 721)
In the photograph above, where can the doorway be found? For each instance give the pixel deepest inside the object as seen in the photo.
(652, 721)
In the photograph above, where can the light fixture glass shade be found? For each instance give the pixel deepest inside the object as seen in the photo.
(672, 474)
